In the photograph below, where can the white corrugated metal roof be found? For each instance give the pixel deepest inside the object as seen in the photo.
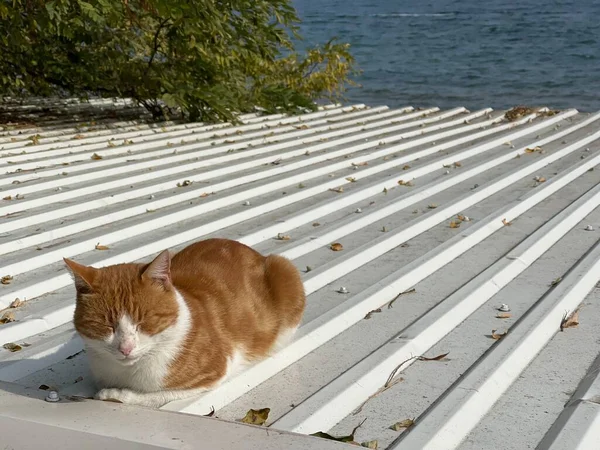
(488, 212)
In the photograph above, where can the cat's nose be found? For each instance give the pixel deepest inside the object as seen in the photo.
(126, 349)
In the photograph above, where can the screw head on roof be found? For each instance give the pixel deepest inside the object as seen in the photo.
(504, 307)
(52, 397)
(343, 290)
(246, 203)
(447, 172)
(589, 228)
(358, 210)
(151, 197)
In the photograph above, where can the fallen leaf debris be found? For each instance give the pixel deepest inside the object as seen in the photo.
(497, 336)
(403, 424)
(348, 438)
(256, 416)
(570, 320)
(12, 347)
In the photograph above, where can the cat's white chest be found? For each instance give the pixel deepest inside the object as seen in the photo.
(147, 375)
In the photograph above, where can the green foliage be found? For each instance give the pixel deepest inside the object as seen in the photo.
(207, 58)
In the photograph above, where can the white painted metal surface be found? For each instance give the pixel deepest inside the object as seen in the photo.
(467, 208)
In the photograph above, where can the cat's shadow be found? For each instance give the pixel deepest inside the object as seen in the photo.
(70, 377)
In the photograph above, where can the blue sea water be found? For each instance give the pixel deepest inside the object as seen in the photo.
(448, 53)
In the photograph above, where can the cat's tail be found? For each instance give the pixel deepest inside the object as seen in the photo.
(287, 289)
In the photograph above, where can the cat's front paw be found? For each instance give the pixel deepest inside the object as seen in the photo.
(121, 395)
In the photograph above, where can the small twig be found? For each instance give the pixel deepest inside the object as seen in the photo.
(379, 391)
(395, 371)
(410, 291)
(392, 381)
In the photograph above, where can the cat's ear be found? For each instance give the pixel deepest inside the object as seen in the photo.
(84, 276)
(159, 270)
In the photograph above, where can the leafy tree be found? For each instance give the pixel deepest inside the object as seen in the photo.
(208, 59)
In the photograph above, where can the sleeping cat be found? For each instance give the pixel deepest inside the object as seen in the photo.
(179, 326)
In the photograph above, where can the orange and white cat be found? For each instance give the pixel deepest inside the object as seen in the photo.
(179, 326)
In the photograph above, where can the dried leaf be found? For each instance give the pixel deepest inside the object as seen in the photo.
(112, 400)
(503, 315)
(316, 224)
(370, 444)
(370, 313)
(570, 320)
(406, 167)
(364, 163)
(432, 206)
(96, 156)
(8, 197)
(6, 279)
(101, 247)
(339, 190)
(44, 387)
(454, 224)
(349, 438)
(385, 190)
(78, 380)
(256, 416)
(184, 183)
(556, 281)
(457, 164)
(406, 423)
(16, 303)
(283, 237)
(435, 358)
(301, 127)
(506, 223)
(540, 179)
(405, 183)
(78, 136)
(463, 218)
(351, 179)
(533, 150)
(211, 413)
(336, 247)
(497, 336)
(7, 317)
(12, 347)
